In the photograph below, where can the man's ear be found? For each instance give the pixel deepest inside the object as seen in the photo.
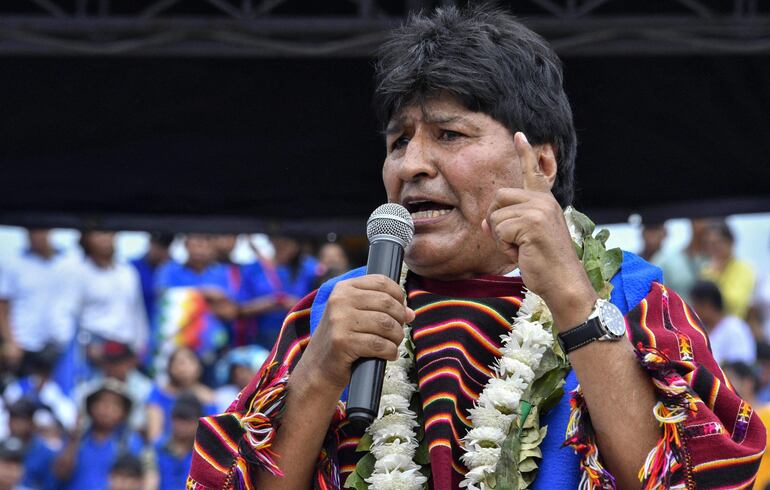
(546, 160)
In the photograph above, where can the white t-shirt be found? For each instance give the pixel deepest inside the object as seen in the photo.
(32, 285)
(732, 341)
(107, 301)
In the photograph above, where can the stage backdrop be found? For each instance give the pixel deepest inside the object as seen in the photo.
(245, 143)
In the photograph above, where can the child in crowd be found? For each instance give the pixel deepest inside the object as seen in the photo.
(184, 375)
(11, 467)
(172, 456)
(128, 474)
(85, 461)
(41, 389)
(42, 450)
(234, 372)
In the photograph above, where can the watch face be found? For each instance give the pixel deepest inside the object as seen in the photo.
(612, 319)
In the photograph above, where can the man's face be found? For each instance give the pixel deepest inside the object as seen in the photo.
(101, 243)
(200, 249)
(444, 164)
(718, 246)
(108, 410)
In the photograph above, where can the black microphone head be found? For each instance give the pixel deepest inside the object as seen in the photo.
(388, 222)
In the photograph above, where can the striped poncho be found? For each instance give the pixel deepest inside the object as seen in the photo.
(457, 336)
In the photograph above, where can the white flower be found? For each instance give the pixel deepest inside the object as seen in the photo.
(574, 233)
(477, 475)
(506, 366)
(391, 462)
(397, 382)
(525, 356)
(481, 456)
(490, 417)
(397, 480)
(395, 447)
(393, 432)
(484, 437)
(500, 398)
(394, 404)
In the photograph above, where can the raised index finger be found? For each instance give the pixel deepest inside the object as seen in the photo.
(532, 176)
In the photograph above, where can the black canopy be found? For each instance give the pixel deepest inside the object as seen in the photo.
(240, 144)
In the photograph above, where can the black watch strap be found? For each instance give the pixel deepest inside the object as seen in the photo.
(581, 335)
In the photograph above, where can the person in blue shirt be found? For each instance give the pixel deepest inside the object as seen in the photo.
(86, 460)
(270, 288)
(128, 474)
(184, 376)
(213, 288)
(148, 264)
(173, 455)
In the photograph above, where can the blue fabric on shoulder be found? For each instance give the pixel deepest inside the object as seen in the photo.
(560, 467)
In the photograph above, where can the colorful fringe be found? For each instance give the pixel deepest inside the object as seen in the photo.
(676, 403)
(580, 437)
(327, 475)
(259, 424)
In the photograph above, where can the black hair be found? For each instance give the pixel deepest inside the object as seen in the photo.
(742, 371)
(164, 239)
(724, 230)
(707, 292)
(492, 64)
(173, 356)
(763, 351)
(187, 406)
(128, 465)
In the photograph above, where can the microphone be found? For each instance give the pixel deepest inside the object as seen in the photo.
(389, 229)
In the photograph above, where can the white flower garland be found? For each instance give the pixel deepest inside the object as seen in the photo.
(393, 431)
(499, 403)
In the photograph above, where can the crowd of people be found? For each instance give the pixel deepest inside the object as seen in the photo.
(107, 366)
(732, 301)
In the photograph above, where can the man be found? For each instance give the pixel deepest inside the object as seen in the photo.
(104, 295)
(653, 235)
(29, 286)
(480, 150)
(148, 264)
(730, 337)
(170, 458)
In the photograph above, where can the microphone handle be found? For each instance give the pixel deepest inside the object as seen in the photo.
(385, 257)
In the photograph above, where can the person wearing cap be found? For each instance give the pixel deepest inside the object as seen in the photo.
(171, 458)
(118, 361)
(100, 439)
(524, 332)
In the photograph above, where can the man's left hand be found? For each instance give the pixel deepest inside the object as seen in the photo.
(529, 227)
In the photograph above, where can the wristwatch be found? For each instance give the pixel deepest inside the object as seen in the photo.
(605, 322)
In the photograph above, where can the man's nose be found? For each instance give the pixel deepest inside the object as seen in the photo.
(419, 159)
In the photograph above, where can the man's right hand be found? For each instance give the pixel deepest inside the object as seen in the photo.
(363, 318)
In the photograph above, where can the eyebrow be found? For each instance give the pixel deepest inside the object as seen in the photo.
(396, 125)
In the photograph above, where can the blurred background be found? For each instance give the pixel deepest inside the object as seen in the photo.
(176, 174)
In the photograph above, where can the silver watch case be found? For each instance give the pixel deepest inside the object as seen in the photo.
(611, 318)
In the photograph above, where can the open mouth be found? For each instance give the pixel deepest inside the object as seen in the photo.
(425, 209)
